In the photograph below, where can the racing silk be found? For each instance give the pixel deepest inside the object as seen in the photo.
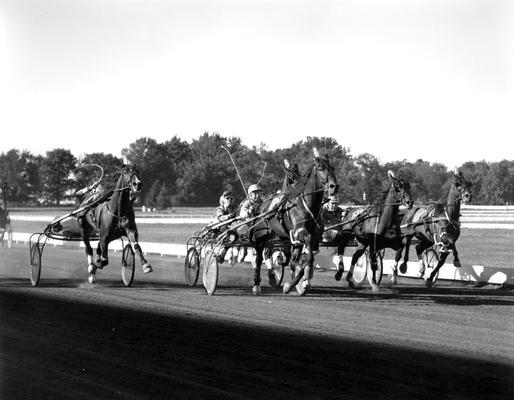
(332, 217)
(224, 213)
(249, 209)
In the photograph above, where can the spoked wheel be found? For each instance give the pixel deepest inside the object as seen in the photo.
(378, 272)
(35, 263)
(192, 266)
(361, 269)
(210, 272)
(127, 265)
(431, 259)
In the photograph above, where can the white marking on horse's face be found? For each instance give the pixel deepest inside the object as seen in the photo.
(136, 184)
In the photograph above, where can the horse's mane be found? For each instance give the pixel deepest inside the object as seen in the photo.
(386, 187)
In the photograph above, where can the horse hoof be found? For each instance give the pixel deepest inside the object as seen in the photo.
(91, 278)
(394, 279)
(338, 275)
(428, 284)
(403, 268)
(300, 288)
(374, 288)
(457, 264)
(256, 290)
(287, 288)
(147, 268)
(91, 268)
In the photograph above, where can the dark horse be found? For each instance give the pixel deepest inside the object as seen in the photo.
(296, 221)
(375, 226)
(113, 217)
(437, 224)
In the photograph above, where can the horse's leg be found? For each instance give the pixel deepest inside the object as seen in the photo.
(359, 251)
(84, 233)
(256, 290)
(456, 261)
(296, 270)
(308, 270)
(374, 266)
(133, 239)
(397, 258)
(406, 240)
(420, 248)
(442, 259)
(340, 252)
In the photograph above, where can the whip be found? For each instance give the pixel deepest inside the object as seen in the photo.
(234, 164)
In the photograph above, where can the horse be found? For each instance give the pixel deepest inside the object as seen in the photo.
(375, 226)
(5, 221)
(296, 220)
(437, 224)
(113, 216)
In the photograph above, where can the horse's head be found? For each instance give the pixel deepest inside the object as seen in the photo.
(463, 187)
(325, 172)
(401, 190)
(130, 179)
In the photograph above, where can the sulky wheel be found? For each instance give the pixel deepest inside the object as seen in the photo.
(210, 272)
(35, 263)
(431, 259)
(192, 266)
(361, 269)
(379, 271)
(127, 265)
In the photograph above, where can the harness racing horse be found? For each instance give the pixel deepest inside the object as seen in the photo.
(295, 221)
(5, 222)
(375, 226)
(437, 224)
(113, 216)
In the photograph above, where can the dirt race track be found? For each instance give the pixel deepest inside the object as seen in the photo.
(162, 340)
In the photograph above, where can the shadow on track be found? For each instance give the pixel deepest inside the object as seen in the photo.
(55, 349)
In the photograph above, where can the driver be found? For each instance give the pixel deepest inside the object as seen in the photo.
(224, 212)
(250, 206)
(331, 214)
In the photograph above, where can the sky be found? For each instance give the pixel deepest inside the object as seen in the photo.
(402, 79)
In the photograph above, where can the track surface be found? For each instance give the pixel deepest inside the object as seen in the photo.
(160, 339)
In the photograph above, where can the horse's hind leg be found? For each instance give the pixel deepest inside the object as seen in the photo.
(256, 290)
(374, 266)
(84, 233)
(133, 237)
(340, 265)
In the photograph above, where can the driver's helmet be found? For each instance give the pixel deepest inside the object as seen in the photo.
(254, 188)
(227, 198)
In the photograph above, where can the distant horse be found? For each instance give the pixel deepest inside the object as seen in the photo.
(297, 220)
(5, 222)
(437, 224)
(375, 226)
(113, 218)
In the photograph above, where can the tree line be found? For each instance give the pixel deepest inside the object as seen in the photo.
(178, 173)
